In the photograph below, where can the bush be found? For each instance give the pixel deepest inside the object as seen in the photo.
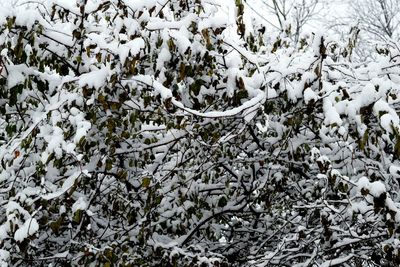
(176, 133)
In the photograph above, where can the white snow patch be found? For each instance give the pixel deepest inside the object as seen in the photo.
(29, 228)
(309, 95)
(377, 188)
(68, 183)
(4, 255)
(80, 204)
(95, 78)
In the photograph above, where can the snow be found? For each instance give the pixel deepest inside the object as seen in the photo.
(254, 59)
(68, 184)
(159, 88)
(182, 41)
(69, 5)
(158, 24)
(3, 232)
(140, 4)
(217, 20)
(263, 127)
(13, 207)
(363, 182)
(309, 95)
(163, 57)
(80, 204)
(337, 261)
(95, 78)
(15, 76)
(377, 188)
(388, 121)
(30, 227)
(82, 129)
(359, 207)
(251, 104)
(55, 141)
(395, 171)
(132, 47)
(331, 115)
(4, 256)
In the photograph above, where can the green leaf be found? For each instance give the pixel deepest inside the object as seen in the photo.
(77, 216)
(146, 182)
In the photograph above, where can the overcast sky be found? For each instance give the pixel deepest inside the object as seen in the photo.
(328, 13)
